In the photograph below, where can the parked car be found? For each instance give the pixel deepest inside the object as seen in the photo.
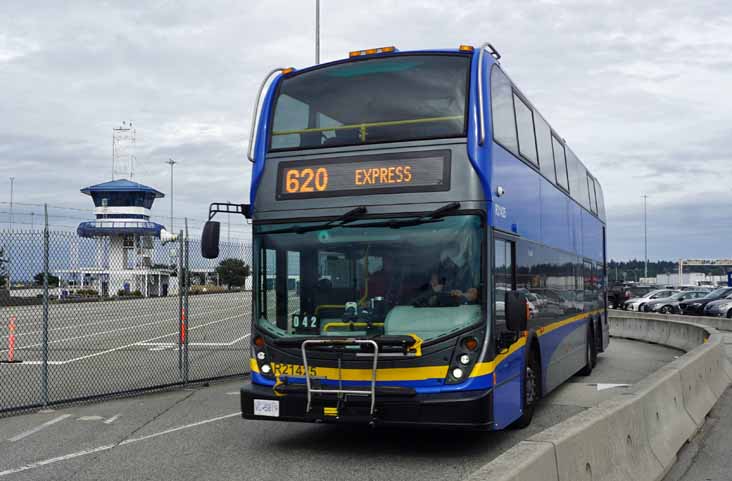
(637, 303)
(696, 288)
(695, 307)
(670, 305)
(720, 308)
(620, 293)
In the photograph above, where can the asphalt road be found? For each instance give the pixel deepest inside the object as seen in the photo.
(106, 347)
(197, 434)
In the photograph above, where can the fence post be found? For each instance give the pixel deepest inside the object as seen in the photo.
(44, 342)
(181, 333)
(186, 321)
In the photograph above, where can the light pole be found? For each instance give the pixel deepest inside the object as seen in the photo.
(12, 183)
(10, 264)
(645, 233)
(171, 162)
(317, 31)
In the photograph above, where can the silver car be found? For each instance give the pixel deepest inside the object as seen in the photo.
(670, 305)
(637, 303)
(719, 308)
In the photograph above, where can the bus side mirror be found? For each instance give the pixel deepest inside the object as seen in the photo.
(210, 239)
(517, 311)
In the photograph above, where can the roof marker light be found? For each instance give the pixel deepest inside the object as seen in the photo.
(371, 51)
(287, 70)
(466, 48)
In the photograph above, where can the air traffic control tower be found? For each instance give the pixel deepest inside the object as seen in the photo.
(124, 264)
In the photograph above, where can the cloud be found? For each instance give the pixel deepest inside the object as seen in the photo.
(638, 89)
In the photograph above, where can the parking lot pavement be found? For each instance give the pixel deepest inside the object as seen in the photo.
(198, 434)
(107, 347)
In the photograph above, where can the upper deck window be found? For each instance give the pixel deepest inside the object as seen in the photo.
(591, 192)
(544, 147)
(387, 99)
(560, 161)
(504, 122)
(525, 126)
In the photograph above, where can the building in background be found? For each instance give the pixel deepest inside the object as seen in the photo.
(125, 242)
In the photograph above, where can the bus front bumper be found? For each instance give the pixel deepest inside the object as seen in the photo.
(456, 410)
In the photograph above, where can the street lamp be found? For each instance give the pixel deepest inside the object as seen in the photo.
(171, 162)
(645, 233)
(9, 262)
(317, 31)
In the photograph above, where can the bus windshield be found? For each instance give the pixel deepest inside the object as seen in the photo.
(387, 99)
(365, 278)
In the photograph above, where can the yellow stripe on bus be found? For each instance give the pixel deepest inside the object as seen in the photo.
(432, 372)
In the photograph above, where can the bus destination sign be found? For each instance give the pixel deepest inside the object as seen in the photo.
(360, 175)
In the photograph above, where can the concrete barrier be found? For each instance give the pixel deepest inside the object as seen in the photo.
(527, 461)
(718, 323)
(607, 442)
(668, 424)
(636, 436)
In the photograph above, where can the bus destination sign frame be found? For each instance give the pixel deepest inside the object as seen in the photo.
(394, 173)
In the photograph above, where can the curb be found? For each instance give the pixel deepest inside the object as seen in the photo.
(636, 436)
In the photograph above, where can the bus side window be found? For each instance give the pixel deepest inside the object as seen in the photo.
(503, 275)
(504, 122)
(525, 125)
(560, 163)
(544, 146)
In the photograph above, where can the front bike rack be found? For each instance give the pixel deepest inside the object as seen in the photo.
(340, 391)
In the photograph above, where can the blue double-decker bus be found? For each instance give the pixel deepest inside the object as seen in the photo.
(427, 249)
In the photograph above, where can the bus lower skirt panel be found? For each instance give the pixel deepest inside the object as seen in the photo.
(458, 410)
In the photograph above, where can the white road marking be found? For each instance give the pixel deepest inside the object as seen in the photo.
(38, 363)
(112, 419)
(602, 387)
(100, 353)
(90, 418)
(163, 345)
(232, 393)
(109, 332)
(25, 434)
(76, 326)
(107, 447)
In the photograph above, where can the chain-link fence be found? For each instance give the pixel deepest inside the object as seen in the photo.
(84, 317)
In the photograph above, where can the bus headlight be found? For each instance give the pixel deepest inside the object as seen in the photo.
(266, 369)
(261, 355)
(464, 359)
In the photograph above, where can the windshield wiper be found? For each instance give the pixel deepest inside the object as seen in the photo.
(349, 216)
(434, 216)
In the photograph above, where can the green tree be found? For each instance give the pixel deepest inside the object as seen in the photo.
(233, 272)
(53, 281)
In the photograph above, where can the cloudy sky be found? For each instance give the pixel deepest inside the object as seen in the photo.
(639, 89)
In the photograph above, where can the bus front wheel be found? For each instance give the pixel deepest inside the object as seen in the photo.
(531, 390)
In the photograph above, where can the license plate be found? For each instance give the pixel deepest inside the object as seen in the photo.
(266, 407)
(292, 370)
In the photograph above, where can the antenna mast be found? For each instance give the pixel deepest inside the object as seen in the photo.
(123, 151)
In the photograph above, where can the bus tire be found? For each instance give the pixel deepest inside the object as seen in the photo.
(590, 352)
(531, 388)
(598, 338)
